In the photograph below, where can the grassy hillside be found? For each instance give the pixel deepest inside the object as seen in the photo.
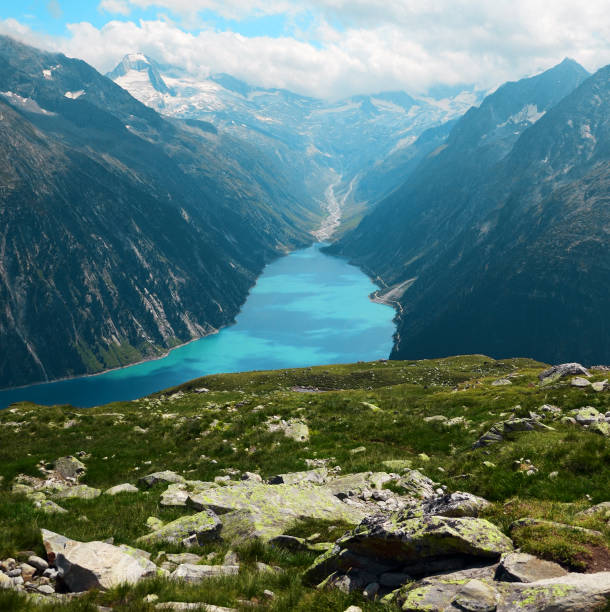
(379, 406)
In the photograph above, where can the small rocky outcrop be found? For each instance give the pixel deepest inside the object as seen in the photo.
(87, 565)
(167, 476)
(295, 429)
(521, 567)
(501, 429)
(187, 530)
(557, 372)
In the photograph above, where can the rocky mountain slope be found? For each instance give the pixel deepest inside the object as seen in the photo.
(499, 241)
(315, 141)
(393, 485)
(122, 233)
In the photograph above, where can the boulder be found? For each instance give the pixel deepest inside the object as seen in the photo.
(580, 382)
(501, 382)
(569, 593)
(176, 494)
(587, 415)
(295, 429)
(599, 511)
(499, 430)
(87, 565)
(317, 476)
(521, 567)
(49, 507)
(69, 467)
(166, 476)
(78, 492)
(394, 542)
(197, 573)
(121, 488)
(205, 526)
(530, 522)
(554, 373)
(600, 385)
(455, 505)
(5, 582)
(265, 511)
(415, 484)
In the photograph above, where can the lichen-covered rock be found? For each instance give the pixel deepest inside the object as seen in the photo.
(599, 510)
(295, 429)
(580, 382)
(554, 373)
(586, 415)
(499, 430)
(69, 467)
(121, 488)
(317, 476)
(415, 484)
(569, 593)
(78, 492)
(166, 476)
(455, 505)
(397, 465)
(205, 526)
(266, 511)
(521, 567)
(197, 573)
(49, 507)
(533, 523)
(392, 542)
(88, 565)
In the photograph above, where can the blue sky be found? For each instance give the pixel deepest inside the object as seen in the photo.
(325, 48)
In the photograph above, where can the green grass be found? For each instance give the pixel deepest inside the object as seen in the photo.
(200, 435)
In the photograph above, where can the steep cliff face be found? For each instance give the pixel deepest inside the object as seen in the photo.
(121, 233)
(506, 249)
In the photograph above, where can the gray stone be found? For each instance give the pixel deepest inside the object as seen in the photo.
(40, 564)
(181, 558)
(599, 510)
(197, 573)
(499, 430)
(586, 415)
(69, 467)
(87, 565)
(121, 488)
(559, 371)
(580, 382)
(501, 382)
(5, 582)
(317, 476)
(203, 526)
(394, 579)
(476, 596)
(166, 476)
(600, 386)
(455, 505)
(521, 567)
(78, 492)
(49, 507)
(251, 476)
(417, 485)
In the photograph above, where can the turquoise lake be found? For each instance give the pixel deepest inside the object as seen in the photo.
(306, 309)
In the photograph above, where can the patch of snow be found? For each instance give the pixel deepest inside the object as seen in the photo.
(74, 95)
(47, 74)
(388, 106)
(403, 143)
(528, 114)
(26, 104)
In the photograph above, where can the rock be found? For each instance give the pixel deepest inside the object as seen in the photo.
(264, 511)
(49, 507)
(600, 386)
(475, 596)
(521, 567)
(78, 492)
(393, 579)
(180, 605)
(499, 430)
(353, 609)
(27, 572)
(45, 589)
(5, 582)
(569, 593)
(580, 382)
(166, 476)
(586, 415)
(423, 457)
(600, 427)
(289, 543)
(251, 476)
(69, 467)
(559, 371)
(317, 476)
(417, 485)
(197, 573)
(455, 505)
(181, 558)
(176, 494)
(397, 465)
(40, 564)
(371, 590)
(530, 522)
(395, 543)
(87, 565)
(204, 526)
(599, 510)
(358, 450)
(121, 488)
(267, 594)
(294, 428)
(501, 382)
(437, 418)
(154, 523)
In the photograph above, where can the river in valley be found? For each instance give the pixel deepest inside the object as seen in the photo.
(307, 308)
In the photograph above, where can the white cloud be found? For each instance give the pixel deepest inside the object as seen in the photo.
(358, 46)
(115, 7)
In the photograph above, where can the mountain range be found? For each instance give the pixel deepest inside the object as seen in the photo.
(498, 242)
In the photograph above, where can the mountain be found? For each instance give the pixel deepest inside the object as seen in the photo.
(318, 143)
(498, 242)
(123, 233)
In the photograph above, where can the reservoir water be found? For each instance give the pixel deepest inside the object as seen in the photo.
(307, 308)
